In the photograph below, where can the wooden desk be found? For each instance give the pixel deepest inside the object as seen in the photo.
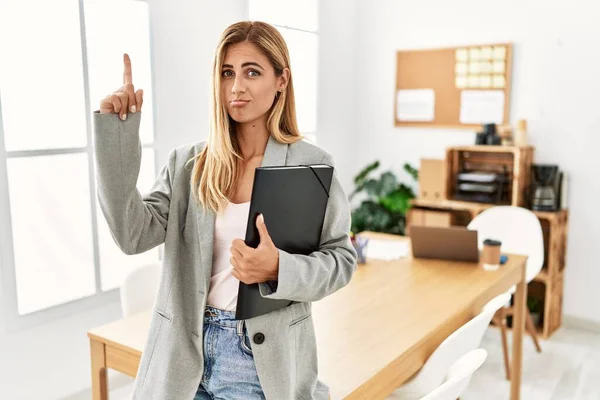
(117, 345)
(373, 334)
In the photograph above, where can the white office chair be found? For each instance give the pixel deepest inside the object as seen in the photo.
(466, 338)
(459, 376)
(520, 232)
(518, 229)
(139, 288)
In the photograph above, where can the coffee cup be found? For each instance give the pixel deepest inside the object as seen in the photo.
(491, 254)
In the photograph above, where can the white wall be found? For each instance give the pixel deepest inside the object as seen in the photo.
(336, 93)
(51, 361)
(184, 35)
(555, 88)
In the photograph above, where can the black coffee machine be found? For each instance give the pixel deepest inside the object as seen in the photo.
(545, 190)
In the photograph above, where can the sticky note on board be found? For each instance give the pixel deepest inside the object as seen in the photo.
(462, 55)
(473, 81)
(474, 54)
(485, 53)
(499, 52)
(485, 67)
(474, 67)
(498, 81)
(461, 68)
(461, 82)
(498, 67)
(485, 81)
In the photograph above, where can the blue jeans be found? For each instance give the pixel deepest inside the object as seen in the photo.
(229, 369)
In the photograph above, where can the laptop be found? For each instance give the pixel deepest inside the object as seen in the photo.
(447, 243)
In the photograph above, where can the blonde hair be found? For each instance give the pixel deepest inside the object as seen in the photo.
(213, 177)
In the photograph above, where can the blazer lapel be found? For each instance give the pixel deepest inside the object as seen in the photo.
(275, 154)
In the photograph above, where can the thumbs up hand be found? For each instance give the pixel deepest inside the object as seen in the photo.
(255, 265)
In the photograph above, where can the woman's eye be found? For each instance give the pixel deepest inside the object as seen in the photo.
(253, 73)
(227, 73)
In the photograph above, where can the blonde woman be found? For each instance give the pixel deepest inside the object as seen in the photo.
(198, 207)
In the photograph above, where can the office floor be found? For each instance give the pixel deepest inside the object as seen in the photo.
(567, 369)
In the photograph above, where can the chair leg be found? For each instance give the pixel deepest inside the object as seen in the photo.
(505, 350)
(500, 320)
(532, 331)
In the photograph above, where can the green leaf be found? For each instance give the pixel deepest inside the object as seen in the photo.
(412, 171)
(358, 179)
(370, 216)
(388, 201)
(398, 227)
(407, 190)
(387, 183)
(356, 190)
(372, 187)
(398, 201)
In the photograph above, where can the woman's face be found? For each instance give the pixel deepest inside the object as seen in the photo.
(249, 83)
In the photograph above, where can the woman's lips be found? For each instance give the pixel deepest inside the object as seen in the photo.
(239, 103)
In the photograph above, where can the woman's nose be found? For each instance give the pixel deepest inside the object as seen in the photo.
(238, 86)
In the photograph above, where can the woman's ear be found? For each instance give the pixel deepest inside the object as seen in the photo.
(283, 79)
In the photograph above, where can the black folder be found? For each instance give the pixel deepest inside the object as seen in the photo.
(293, 200)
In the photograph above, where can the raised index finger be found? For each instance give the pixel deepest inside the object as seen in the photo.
(127, 74)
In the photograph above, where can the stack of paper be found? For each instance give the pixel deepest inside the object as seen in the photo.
(386, 249)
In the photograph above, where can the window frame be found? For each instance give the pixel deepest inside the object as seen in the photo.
(8, 294)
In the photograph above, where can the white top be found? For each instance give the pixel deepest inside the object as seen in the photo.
(230, 224)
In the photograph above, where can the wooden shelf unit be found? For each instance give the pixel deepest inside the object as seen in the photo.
(516, 161)
(547, 286)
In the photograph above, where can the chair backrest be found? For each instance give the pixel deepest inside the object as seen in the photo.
(458, 377)
(518, 229)
(138, 291)
(465, 339)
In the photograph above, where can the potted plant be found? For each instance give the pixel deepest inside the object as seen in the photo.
(387, 202)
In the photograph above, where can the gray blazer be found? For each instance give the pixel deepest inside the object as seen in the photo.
(172, 361)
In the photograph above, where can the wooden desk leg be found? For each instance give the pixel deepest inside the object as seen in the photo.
(99, 382)
(517, 345)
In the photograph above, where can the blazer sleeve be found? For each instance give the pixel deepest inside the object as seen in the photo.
(137, 222)
(307, 278)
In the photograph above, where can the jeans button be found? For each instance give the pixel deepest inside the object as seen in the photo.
(259, 338)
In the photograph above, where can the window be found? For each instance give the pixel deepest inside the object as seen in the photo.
(53, 74)
(297, 22)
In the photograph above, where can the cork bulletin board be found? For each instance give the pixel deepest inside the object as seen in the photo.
(458, 87)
